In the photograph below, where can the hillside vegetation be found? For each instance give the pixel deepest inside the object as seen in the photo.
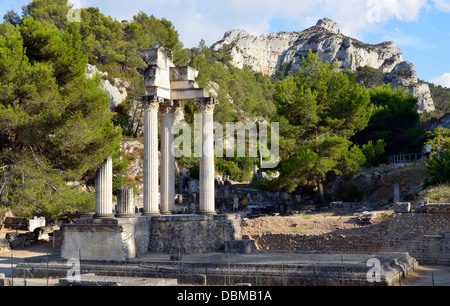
(56, 127)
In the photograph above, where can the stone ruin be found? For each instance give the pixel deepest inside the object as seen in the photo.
(124, 235)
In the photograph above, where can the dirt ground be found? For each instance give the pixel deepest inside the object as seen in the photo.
(313, 224)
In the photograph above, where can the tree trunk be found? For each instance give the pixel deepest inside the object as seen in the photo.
(322, 201)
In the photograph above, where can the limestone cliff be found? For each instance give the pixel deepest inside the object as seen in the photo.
(269, 53)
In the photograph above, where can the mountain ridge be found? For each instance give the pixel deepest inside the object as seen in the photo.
(268, 53)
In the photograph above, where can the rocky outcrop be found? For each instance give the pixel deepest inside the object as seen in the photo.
(269, 53)
(405, 76)
(117, 91)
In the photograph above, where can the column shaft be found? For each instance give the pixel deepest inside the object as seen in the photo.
(151, 186)
(103, 190)
(167, 161)
(207, 171)
(125, 202)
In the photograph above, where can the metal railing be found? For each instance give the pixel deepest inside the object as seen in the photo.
(407, 158)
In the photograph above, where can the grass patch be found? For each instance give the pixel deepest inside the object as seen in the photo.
(302, 230)
(439, 194)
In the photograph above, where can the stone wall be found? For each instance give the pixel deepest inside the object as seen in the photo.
(128, 238)
(425, 236)
(335, 243)
(193, 233)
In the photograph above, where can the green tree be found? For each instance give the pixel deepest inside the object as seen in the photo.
(12, 17)
(439, 140)
(55, 124)
(369, 77)
(394, 119)
(50, 11)
(320, 109)
(439, 167)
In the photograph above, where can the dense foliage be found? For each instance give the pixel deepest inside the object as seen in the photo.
(56, 127)
(54, 123)
(320, 110)
(394, 119)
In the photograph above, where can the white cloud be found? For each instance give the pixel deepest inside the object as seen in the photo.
(402, 39)
(210, 19)
(443, 80)
(442, 5)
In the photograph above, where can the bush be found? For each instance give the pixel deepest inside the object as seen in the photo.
(439, 167)
(374, 153)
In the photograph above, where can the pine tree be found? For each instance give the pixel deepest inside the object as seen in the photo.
(320, 109)
(55, 124)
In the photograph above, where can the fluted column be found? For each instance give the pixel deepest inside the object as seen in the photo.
(207, 172)
(151, 186)
(103, 190)
(167, 158)
(125, 202)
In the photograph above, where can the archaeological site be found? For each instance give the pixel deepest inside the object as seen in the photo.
(304, 158)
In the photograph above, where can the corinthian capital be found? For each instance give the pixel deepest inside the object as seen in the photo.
(206, 104)
(168, 106)
(151, 103)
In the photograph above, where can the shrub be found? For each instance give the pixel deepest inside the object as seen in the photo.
(439, 167)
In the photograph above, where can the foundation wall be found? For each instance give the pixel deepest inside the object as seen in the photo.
(426, 237)
(128, 238)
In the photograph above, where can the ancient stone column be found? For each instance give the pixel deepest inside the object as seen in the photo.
(125, 202)
(207, 172)
(103, 190)
(167, 158)
(151, 186)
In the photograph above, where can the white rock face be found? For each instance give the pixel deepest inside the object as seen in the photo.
(261, 53)
(269, 53)
(405, 76)
(117, 91)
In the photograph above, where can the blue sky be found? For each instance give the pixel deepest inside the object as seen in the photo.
(421, 28)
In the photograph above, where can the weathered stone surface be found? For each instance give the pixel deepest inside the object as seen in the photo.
(18, 241)
(193, 234)
(4, 245)
(108, 281)
(240, 246)
(125, 202)
(402, 208)
(438, 208)
(259, 268)
(43, 233)
(35, 223)
(184, 73)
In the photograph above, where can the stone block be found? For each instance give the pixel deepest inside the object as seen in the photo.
(17, 240)
(185, 73)
(336, 205)
(240, 246)
(159, 92)
(4, 245)
(402, 208)
(184, 85)
(44, 232)
(189, 94)
(156, 77)
(35, 223)
(156, 57)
